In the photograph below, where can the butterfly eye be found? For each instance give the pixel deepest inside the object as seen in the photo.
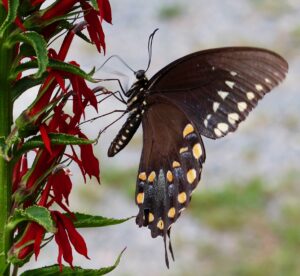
(140, 74)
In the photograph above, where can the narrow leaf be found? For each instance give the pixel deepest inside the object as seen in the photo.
(67, 67)
(24, 84)
(13, 6)
(39, 45)
(54, 270)
(37, 214)
(56, 65)
(95, 4)
(55, 138)
(85, 221)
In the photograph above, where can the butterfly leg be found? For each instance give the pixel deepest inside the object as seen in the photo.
(113, 94)
(118, 81)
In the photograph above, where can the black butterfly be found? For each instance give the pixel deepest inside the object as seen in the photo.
(205, 93)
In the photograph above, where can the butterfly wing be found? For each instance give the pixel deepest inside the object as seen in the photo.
(170, 166)
(208, 93)
(217, 88)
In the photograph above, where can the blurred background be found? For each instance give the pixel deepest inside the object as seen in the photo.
(244, 218)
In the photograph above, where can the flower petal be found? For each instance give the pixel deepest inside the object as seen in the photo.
(105, 10)
(45, 138)
(74, 236)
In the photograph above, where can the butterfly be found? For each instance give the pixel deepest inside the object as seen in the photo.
(206, 93)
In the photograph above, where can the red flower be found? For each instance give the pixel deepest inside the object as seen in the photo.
(45, 137)
(29, 242)
(89, 162)
(65, 236)
(37, 2)
(94, 26)
(105, 10)
(82, 91)
(61, 185)
(20, 169)
(58, 9)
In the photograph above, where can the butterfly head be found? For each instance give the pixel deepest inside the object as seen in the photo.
(140, 74)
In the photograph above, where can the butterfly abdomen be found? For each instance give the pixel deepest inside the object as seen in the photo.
(125, 134)
(136, 105)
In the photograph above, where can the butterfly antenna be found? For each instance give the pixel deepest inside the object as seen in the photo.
(120, 59)
(150, 42)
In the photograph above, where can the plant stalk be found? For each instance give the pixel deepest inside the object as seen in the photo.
(6, 60)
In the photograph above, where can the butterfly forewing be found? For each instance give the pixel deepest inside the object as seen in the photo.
(218, 88)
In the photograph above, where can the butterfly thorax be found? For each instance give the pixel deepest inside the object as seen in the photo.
(136, 105)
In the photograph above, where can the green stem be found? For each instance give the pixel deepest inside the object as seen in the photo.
(6, 59)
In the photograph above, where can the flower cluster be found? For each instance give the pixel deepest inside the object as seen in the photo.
(44, 130)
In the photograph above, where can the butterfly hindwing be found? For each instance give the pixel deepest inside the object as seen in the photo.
(218, 88)
(170, 167)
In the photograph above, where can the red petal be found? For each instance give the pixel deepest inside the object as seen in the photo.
(87, 93)
(94, 26)
(60, 8)
(45, 138)
(78, 161)
(39, 234)
(62, 241)
(61, 185)
(66, 45)
(28, 237)
(37, 2)
(60, 81)
(105, 10)
(47, 88)
(74, 236)
(89, 161)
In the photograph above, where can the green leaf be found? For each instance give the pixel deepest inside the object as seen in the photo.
(24, 84)
(95, 4)
(56, 65)
(56, 139)
(54, 270)
(13, 6)
(85, 221)
(66, 67)
(39, 45)
(35, 213)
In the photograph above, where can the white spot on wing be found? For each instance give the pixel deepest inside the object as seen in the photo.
(232, 73)
(250, 95)
(206, 120)
(218, 132)
(242, 106)
(259, 87)
(230, 84)
(233, 118)
(267, 80)
(223, 94)
(223, 127)
(216, 106)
